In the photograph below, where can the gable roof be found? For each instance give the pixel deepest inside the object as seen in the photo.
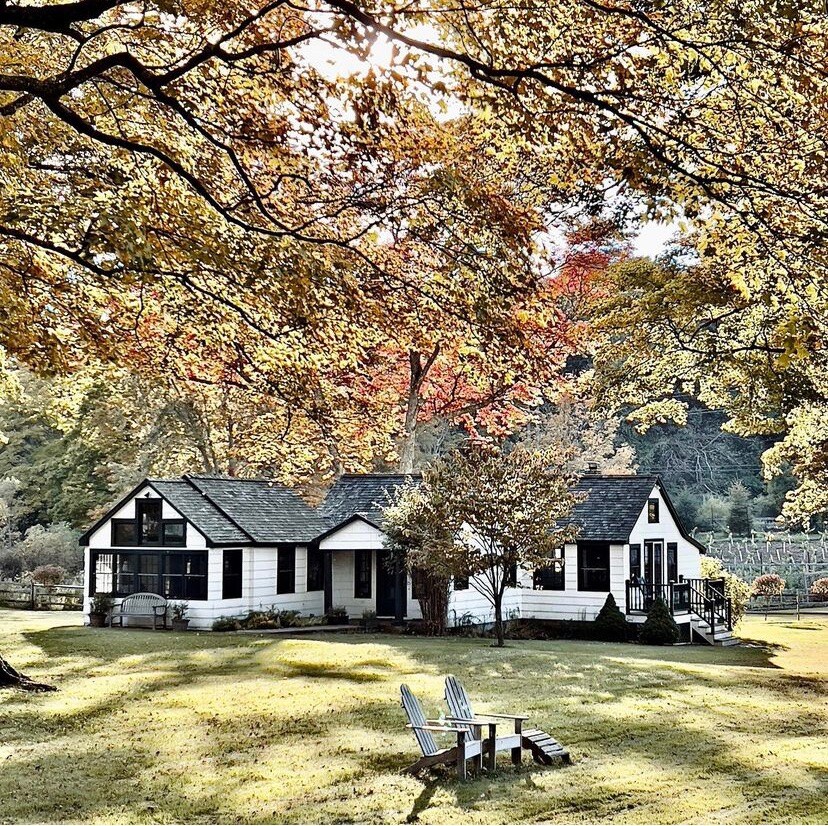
(614, 504)
(232, 511)
(266, 512)
(363, 494)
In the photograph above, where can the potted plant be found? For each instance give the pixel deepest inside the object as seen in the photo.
(99, 610)
(179, 616)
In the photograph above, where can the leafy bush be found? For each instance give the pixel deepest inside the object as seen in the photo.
(739, 515)
(736, 589)
(55, 544)
(226, 624)
(179, 610)
(48, 575)
(256, 620)
(659, 628)
(290, 619)
(337, 615)
(611, 624)
(768, 585)
(820, 587)
(101, 604)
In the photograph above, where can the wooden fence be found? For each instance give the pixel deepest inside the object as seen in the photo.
(786, 601)
(34, 597)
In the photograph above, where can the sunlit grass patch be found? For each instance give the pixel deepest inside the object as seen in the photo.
(156, 727)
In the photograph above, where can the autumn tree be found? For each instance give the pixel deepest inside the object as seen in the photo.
(484, 513)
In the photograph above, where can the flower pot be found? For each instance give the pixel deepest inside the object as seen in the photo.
(97, 620)
(180, 624)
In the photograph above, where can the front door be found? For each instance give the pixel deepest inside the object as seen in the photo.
(386, 585)
(653, 570)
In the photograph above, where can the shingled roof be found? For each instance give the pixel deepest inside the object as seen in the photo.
(232, 511)
(362, 494)
(612, 506)
(266, 512)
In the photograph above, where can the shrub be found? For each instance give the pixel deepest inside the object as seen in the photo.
(101, 604)
(739, 515)
(736, 589)
(659, 628)
(226, 624)
(256, 620)
(611, 624)
(179, 610)
(768, 585)
(819, 587)
(337, 615)
(289, 619)
(48, 575)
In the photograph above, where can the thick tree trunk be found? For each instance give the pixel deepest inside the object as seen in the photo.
(10, 676)
(418, 370)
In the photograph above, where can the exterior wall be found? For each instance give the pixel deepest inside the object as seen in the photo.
(470, 605)
(689, 559)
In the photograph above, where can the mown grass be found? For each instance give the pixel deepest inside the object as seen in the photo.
(152, 727)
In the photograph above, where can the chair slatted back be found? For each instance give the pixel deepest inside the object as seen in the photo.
(458, 701)
(414, 713)
(142, 602)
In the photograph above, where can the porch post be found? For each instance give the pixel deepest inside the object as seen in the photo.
(327, 569)
(400, 581)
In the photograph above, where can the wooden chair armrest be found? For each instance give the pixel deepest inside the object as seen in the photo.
(506, 716)
(479, 721)
(435, 728)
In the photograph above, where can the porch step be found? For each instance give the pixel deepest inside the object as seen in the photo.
(721, 635)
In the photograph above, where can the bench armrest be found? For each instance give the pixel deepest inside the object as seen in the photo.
(159, 608)
(506, 716)
(472, 720)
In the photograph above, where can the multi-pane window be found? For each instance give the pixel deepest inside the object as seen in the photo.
(550, 577)
(593, 566)
(362, 574)
(461, 583)
(173, 575)
(510, 573)
(148, 514)
(231, 573)
(286, 571)
(316, 569)
(652, 510)
(148, 527)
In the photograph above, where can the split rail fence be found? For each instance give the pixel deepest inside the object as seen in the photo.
(33, 597)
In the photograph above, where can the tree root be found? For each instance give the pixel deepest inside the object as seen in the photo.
(11, 677)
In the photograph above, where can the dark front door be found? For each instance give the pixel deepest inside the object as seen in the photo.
(386, 585)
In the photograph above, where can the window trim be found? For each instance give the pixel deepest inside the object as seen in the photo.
(286, 552)
(233, 576)
(366, 590)
(135, 554)
(653, 510)
(583, 547)
(668, 548)
(637, 569)
(319, 585)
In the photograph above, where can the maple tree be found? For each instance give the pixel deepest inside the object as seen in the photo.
(482, 512)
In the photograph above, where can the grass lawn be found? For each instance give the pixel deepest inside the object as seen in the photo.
(154, 727)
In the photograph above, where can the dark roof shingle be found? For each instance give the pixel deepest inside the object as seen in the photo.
(267, 512)
(612, 506)
(363, 494)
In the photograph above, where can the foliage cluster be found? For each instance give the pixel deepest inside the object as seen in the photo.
(485, 514)
(768, 585)
(736, 589)
(819, 587)
(48, 575)
(659, 628)
(610, 624)
(267, 618)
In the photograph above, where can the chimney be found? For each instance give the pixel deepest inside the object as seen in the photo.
(592, 469)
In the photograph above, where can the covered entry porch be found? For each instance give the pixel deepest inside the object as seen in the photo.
(362, 575)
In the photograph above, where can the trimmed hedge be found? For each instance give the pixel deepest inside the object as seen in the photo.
(659, 628)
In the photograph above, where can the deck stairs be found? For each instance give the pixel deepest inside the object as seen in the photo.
(721, 634)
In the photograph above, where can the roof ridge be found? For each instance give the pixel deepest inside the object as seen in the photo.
(189, 479)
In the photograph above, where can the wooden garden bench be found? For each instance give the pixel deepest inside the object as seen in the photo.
(153, 606)
(423, 729)
(544, 748)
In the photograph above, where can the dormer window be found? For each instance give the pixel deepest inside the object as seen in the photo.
(652, 510)
(148, 527)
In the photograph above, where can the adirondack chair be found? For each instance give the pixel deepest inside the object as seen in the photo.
(544, 748)
(424, 730)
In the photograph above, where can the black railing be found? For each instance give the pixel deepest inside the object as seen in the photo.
(642, 595)
(714, 590)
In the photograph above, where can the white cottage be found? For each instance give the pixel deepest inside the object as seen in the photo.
(228, 546)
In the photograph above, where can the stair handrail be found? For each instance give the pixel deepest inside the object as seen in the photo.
(703, 607)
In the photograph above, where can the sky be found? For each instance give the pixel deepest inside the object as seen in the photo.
(653, 238)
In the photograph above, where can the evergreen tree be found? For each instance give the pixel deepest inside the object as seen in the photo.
(610, 624)
(659, 628)
(739, 515)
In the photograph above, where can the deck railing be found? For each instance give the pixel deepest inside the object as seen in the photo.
(703, 597)
(641, 595)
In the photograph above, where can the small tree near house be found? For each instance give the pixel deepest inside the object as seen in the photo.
(611, 624)
(659, 628)
(482, 512)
